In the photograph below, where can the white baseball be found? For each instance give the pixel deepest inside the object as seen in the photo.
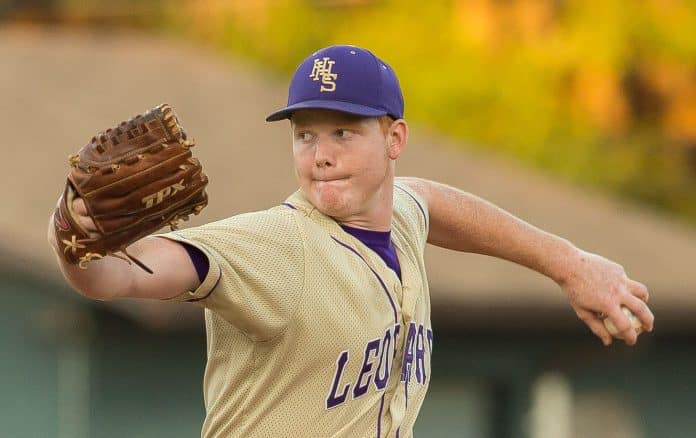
(634, 321)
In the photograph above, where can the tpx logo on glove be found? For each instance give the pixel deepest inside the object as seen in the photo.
(157, 197)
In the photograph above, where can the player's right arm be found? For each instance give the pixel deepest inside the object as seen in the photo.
(110, 277)
(594, 285)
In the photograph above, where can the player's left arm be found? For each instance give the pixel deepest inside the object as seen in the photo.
(593, 284)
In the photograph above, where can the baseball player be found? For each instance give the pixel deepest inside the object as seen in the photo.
(317, 310)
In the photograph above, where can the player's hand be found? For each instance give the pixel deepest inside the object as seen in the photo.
(80, 214)
(151, 154)
(597, 288)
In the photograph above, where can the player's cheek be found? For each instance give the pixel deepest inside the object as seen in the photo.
(302, 170)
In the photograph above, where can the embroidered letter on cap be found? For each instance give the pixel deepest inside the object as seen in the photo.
(322, 67)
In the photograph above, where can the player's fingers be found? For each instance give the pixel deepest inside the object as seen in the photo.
(87, 224)
(642, 312)
(82, 217)
(596, 325)
(638, 289)
(79, 207)
(623, 326)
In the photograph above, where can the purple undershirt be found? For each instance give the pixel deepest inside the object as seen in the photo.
(200, 261)
(378, 241)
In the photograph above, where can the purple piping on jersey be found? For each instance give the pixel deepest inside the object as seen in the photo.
(211, 289)
(397, 431)
(417, 203)
(289, 205)
(379, 418)
(386, 291)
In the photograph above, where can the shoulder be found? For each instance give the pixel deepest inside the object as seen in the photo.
(412, 194)
(412, 191)
(411, 212)
(275, 222)
(418, 188)
(245, 236)
(257, 269)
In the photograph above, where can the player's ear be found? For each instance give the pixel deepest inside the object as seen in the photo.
(397, 137)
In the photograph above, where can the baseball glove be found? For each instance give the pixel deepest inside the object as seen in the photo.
(134, 179)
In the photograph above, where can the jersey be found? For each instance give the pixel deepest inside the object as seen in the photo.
(309, 332)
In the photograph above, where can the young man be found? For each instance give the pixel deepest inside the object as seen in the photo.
(318, 309)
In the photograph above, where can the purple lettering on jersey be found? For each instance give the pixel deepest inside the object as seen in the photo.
(360, 389)
(420, 357)
(397, 329)
(333, 400)
(408, 353)
(384, 287)
(430, 341)
(381, 379)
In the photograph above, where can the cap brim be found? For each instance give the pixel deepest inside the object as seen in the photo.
(345, 107)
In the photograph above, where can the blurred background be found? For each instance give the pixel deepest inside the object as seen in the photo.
(578, 116)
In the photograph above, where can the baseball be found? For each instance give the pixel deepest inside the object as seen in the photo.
(634, 321)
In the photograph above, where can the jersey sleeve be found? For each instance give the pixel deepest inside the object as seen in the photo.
(411, 213)
(256, 273)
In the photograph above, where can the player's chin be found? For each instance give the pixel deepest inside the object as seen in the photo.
(332, 202)
(332, 207)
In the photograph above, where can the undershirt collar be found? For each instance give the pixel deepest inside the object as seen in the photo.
(380, 242)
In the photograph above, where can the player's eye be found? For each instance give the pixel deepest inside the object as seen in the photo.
(303, 136)
(343, 133)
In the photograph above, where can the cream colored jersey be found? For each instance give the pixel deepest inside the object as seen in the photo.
(309, 332)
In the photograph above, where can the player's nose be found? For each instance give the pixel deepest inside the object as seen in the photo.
(324, 153)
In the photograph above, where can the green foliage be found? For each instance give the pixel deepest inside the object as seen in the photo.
(552, 93)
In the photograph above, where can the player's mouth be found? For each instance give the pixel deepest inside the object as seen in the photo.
(330, 179)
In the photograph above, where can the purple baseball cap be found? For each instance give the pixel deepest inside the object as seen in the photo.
(344, 78)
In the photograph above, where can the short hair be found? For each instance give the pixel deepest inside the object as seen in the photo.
(385, 123)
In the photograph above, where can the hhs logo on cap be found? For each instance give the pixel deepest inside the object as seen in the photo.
(322, 67)
(368, 88)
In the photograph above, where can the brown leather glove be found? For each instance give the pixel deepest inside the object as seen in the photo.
(134, 179)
